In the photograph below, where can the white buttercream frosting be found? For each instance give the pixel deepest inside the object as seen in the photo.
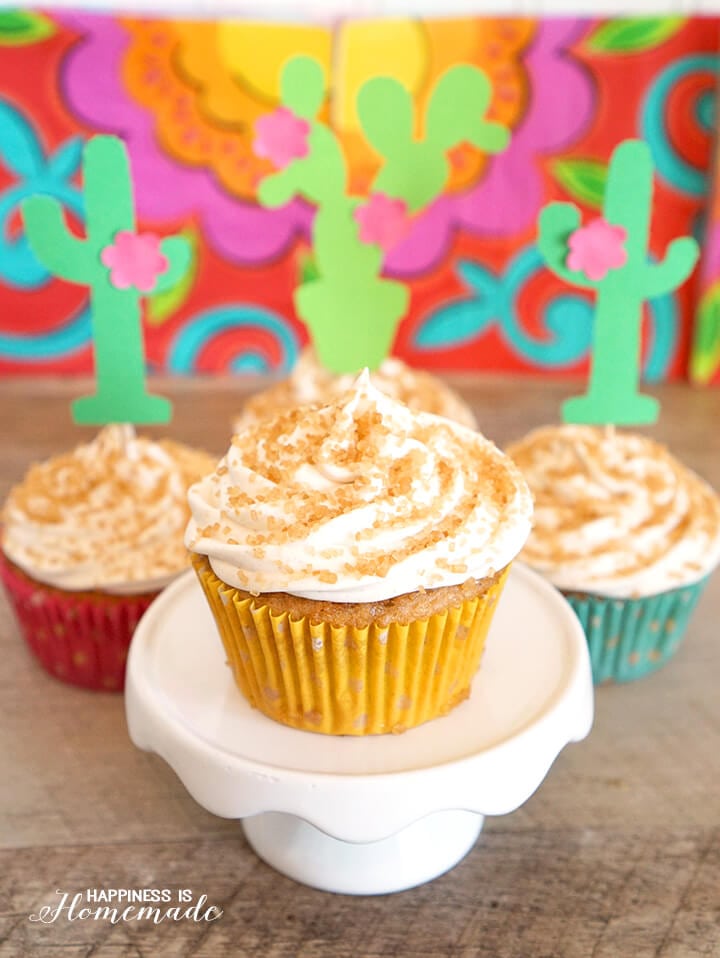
(310, 382)
(615, 513)
(108, 516)
(358, 500)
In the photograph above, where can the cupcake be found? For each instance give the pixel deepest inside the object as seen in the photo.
(88, 540)
(626, 532)
(352, 554)
(311, 383)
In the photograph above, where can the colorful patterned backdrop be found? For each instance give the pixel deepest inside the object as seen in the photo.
(184, 96)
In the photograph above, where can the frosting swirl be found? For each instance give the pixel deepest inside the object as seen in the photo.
(357, 501)
(310, 382)
(615, 513)
(108, 516)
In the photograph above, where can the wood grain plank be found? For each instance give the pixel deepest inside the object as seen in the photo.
(563, 893)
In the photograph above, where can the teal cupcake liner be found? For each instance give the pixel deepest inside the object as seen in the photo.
(630, 638)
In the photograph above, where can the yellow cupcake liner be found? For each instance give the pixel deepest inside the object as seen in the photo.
(349, 680)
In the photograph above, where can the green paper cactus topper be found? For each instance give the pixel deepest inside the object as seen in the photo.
(351, 311)
(119, 266)
(610, 256)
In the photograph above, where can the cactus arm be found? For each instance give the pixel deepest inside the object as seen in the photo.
(277, 189)
(302, 87)
(490, 137)
(322, 172)
(556, 223)
(679, 262)
(456, 112)
(178, 252)
(385, 111)
(320, 177)
(61, 253)
(416, 170)
(384, 108)
(409, 170)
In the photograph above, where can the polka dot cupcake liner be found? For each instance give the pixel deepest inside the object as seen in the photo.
(630, 638)
(349, 680)
(81, 638)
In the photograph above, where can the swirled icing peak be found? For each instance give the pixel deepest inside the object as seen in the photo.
(108, 516)
(358, 500)
(310, 382)
(615, 513)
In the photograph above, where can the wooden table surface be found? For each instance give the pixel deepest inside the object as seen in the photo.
(617, 854)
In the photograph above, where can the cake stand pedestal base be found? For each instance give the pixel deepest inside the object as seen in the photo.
(415, 855)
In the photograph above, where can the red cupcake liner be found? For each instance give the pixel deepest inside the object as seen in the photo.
(81, 638)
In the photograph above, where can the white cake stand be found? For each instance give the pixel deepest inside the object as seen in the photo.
(372, 814)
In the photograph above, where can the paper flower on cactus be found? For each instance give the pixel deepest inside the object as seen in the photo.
(134, 260)
(597, 248)
(281, 137)
(383, 221)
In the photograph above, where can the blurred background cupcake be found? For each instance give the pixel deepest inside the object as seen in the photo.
(628, 534)
(88, 540)
(312, 383)
(352, 555)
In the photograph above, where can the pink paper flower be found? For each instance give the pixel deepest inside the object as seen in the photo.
(281, 137)
(134, 260)
(383, 221)
(597, 248)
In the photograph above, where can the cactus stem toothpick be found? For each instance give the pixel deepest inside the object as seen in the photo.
(119, 266)
(611, 257)
(351, 311)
